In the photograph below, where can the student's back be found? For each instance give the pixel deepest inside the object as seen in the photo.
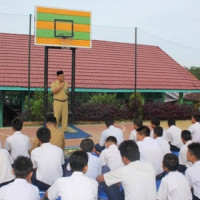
(18, 144)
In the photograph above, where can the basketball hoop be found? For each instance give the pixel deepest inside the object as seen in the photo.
(66, 40)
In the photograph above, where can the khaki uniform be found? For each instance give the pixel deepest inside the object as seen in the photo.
(57, 138)
(60, 105)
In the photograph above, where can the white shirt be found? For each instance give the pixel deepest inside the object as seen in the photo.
(111, 157)
(48, 159)
(133, 135)
(112, 131)
(174, 136)
(94, 166)
(151, 152)
(195, 131)
(137, 178)
(193, 176)
(20, 189)
(18, 144)
(5, 166)
(164, 145)
(183, 155)
(164, 136)
(174, 186)
(75, 187)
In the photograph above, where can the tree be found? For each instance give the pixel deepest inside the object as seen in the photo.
(195, 71)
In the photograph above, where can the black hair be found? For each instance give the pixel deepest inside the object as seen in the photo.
(194, 149)
(196, 117)
(87, 145)
(170, 161)
(78, 160)
(143, 130)
(158, 131)
(155, 121)
(171, 121)
(109, 121)
(138, 121)
(130, 150)
(186, 135)
(111, 139)
(22, 166)
(44, 134)
(52, 120)
(17, 124)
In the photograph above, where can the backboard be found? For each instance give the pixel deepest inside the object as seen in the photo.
(60, 27)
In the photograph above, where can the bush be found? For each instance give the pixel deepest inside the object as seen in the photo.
(37, 106)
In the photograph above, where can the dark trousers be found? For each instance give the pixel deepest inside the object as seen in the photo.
(174, 148)
(5, 183)
(99, 148)
(160, 176)
(41, 186)
(194, 197)
(182, 168)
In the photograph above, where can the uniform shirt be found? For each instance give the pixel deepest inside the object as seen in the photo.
(5, 166)
(195, 131)
(164, 145)
(62, 93)
(183, 155)
(75, 187)
(174, 136)
(193, 176)
(174, 186)
(151, 152)
(94, 166)
(18, 144)
(137, 178)
(20, 189)
(111, 157)
(48, 159)
(133, 135)
(111, 131)
(57, 138)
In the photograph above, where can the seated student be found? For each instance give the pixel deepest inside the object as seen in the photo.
(174, 185)
(6, 175)
(18, 144)
(57, 136)
(155, 122)
(183, 162)
(193, 173)
(195, 128)
(158, 132)
(150, 150)
(137, 122)
(47, 161)
(174, 135)
(94, 165)
(110, 156)
(110, 131)
(137, 177)
(21, 188)
(77, 186)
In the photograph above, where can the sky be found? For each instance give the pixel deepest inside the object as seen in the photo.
(171, 24)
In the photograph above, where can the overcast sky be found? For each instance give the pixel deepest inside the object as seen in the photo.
(176, 21)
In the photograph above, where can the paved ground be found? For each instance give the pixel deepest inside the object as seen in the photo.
(93, 129)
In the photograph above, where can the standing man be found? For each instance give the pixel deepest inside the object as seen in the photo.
(60, 106)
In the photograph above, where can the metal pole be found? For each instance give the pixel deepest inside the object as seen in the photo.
(29, 66)
(45, 84)
(135, 62)
(73, 83)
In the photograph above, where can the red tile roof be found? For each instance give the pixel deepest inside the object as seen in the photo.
(107, 65)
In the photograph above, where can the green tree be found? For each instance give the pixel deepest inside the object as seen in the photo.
(195, 71)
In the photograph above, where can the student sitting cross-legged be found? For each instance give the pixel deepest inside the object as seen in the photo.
(137, 177)
(110, 156)
(174, 185)
(193, 173)
(94, 165)
(21, 188)
(47, 161)
(77, 186)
